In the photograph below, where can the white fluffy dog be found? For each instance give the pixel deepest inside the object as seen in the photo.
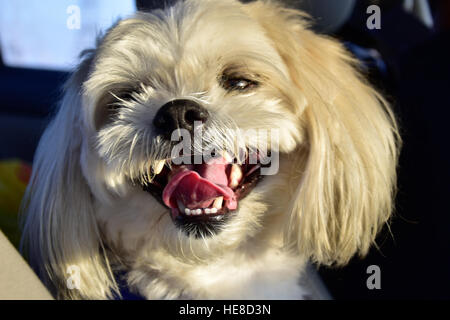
(107, 197)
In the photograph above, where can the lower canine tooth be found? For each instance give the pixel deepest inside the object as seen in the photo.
(187, 211)
(227, 156)
(158, 166)
(218, 203)
(235, 175)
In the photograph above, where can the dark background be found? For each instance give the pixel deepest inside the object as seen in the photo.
(414, 257)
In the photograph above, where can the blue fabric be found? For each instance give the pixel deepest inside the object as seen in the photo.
(124, 290)
(370, 58)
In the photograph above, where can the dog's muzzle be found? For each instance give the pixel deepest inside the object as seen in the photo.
(201, 197)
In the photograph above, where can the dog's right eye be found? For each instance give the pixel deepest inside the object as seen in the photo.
(109, 105)
(117, 98)
(124, 96)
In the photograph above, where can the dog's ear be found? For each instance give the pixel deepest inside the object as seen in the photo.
(347, 164)
(60, 236)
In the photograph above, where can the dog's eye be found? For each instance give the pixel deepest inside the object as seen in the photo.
(124, 96)
(118, 98)
(238, 84)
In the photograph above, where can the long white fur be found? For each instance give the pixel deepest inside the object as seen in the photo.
(338, 141)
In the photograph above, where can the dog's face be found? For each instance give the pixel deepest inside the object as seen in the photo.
(296, 151)
(208, 64)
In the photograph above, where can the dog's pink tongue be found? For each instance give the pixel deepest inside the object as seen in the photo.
(197, 186)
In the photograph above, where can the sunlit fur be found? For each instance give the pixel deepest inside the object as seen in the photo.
(338, 153)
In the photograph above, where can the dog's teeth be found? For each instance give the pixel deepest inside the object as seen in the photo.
(218, 203)
(235, 176)
(226, 156)
(158, 166)
(197, 212)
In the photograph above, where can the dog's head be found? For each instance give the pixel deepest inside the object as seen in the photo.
(281, 142)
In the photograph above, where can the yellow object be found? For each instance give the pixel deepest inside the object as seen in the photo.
(14, 177)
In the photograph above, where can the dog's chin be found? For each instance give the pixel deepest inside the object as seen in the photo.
(203, 197)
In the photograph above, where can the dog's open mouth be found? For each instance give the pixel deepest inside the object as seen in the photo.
(202, 196)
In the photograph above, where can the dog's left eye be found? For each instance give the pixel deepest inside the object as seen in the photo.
(238, 84)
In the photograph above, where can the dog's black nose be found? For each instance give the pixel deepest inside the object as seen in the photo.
(180, 113)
